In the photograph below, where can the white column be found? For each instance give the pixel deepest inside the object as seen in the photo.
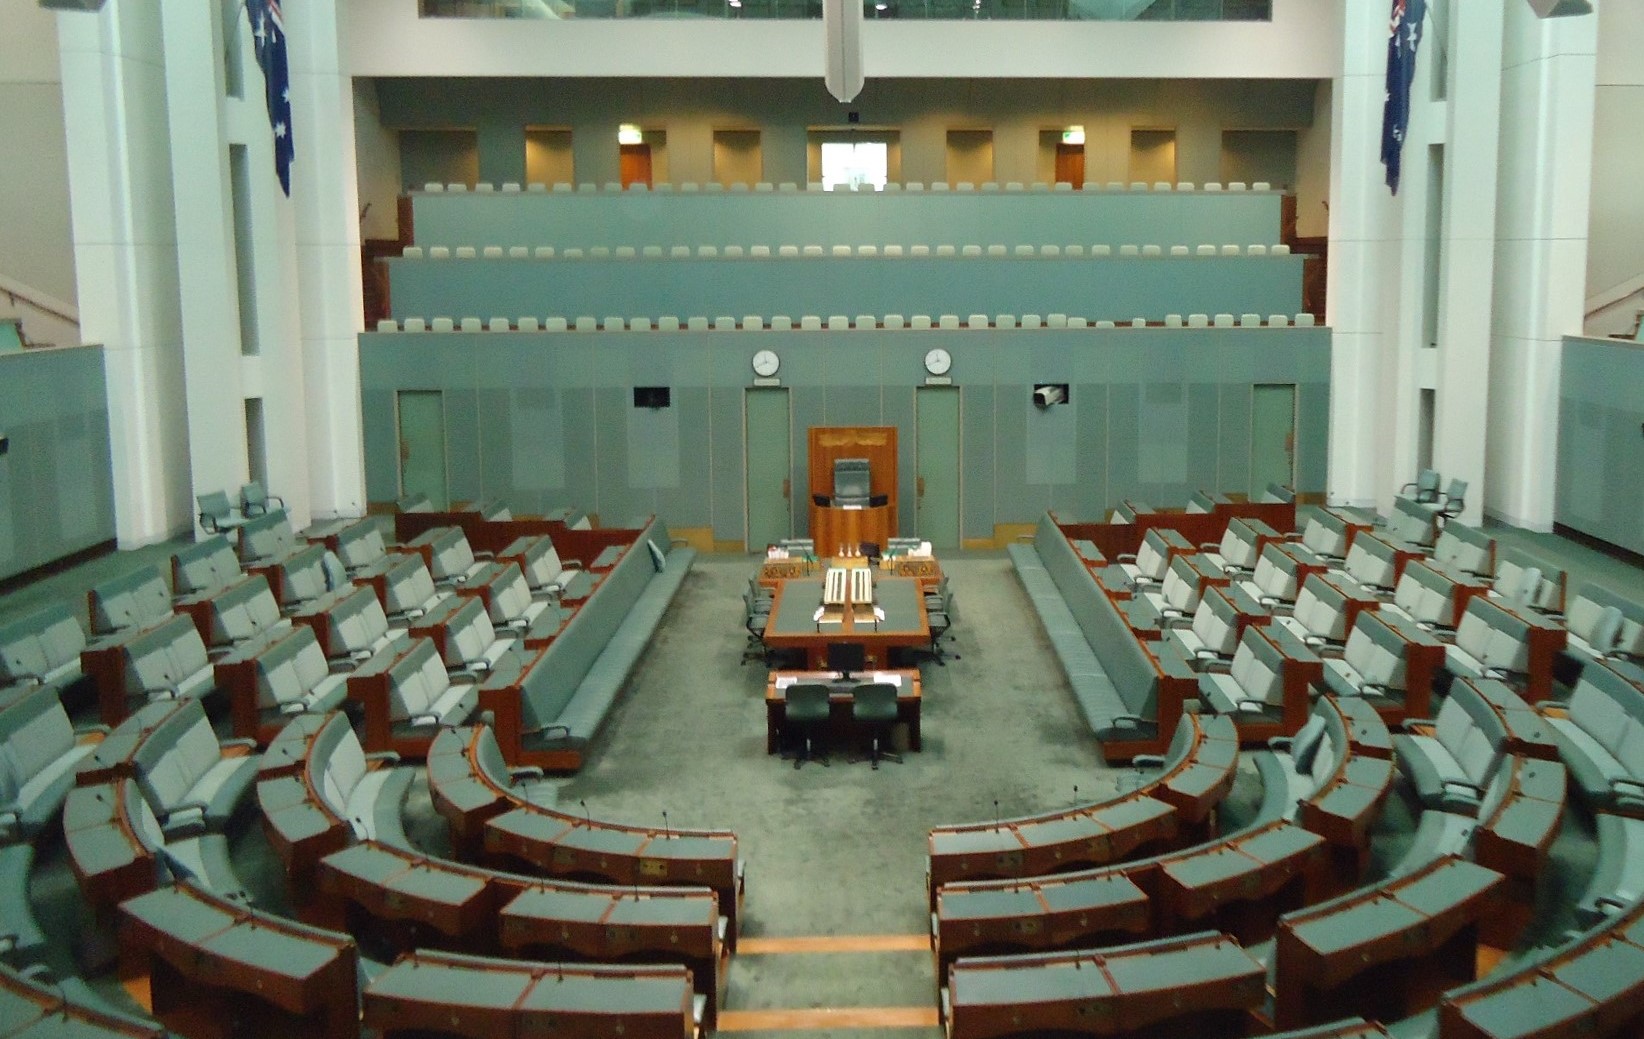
(1357, 303)
(1467, 269)
(325, 197)
(114, 113)
(1547, 86)
(196, 94)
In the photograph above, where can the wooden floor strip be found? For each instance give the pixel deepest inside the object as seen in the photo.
(826, 1017)
(833, 943)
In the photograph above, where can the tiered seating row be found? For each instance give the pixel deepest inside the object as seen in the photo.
(832, 323)
(902, 213)
(794, 252)
(1112, 286)
(711, 187)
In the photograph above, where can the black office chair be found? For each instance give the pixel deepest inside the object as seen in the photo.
(870, 550)
(805, 712)
(873, 707)
(939, 614)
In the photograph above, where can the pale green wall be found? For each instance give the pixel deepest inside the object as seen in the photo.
(56, 488)
(922, 110)
(542, 419)
(1600, 488)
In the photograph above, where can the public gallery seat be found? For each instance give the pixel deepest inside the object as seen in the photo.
(42, 647)
(1600, 734)
(39, 750)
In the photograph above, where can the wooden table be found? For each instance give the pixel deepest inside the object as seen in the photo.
(792, 623)
(908, 699)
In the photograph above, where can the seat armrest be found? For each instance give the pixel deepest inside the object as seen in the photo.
(1461, 787)
(1148, 761)
(1628, 786)
(1333, 652)
(1373, 687)
(294, 707)
(471, 673)
(383, 757)
(92, 730)
(1125, 557)
(1280, 744)
(525, 772)
(570, 564)
(1133, 720)
(8, 823)
(1210, 546)
(240, 748)
(1216, 665)
(417, 719)
(342, 667)
(484, 555)
(1026, 537)
(1412, 724)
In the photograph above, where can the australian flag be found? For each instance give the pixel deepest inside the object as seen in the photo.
(1403, 37)
(268, 33)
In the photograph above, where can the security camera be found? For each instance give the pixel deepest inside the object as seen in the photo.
(1045, 396)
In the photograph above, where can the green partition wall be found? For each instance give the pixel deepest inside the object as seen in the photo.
(1600, 482)
(547, 419)
(56, 484)
(828, 218)
(1118, 288)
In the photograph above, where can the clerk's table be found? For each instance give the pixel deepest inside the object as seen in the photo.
(909, 695)
(794, 624)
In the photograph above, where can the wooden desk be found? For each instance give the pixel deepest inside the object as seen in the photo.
(908, 698)
(792, 623)
(394, 885)
(575, 848)
(1046, 913)
(1430, 914)
(440, 993)
(213, 962)
(837, 529)
(1130, 991)
(1080, 838)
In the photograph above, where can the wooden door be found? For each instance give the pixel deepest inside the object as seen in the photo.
(636, 165)
(1070, 164)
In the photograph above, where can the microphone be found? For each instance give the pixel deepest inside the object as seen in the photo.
(586, 818)
(1076, 795)
(998, 821)
(666, 833)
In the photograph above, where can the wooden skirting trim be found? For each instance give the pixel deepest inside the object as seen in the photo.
(822, 943)
(699, 538)
(1006, 534)
(826, 1017)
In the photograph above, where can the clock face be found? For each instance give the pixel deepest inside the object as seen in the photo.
(765, 363)
(937, 362)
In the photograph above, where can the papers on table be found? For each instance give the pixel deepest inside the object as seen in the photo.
(873, 677)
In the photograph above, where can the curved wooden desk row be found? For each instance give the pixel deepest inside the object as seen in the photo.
(429, 993)
(315, 759)
(1203, 984)
(1275, 866)
(215, 966)
(478, 802)
(1326, 957)
(1227, 879)
(1592, 985)
(112, 849)
(1515, 837)
(33, 1009)
(116, 756)
(1198, 774)
(417, 901)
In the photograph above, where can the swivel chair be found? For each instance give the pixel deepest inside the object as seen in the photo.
(756, 615)
(217, 514)
(805, 711)
(254, 499)
(873, 706)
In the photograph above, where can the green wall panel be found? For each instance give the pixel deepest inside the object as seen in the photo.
(56, 478)
(547, 419)
(1600, 480)
(1096, 287)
